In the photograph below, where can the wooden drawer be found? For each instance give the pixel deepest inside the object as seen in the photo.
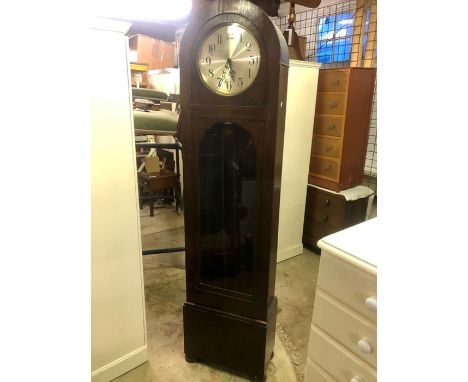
(351, 285)
(335, 220)
(336, 360)
(345, 326)
(317, 229)
(328, 125)
(314, 373)
(329, 147)
(319, 200)
(333, 103)
(324, 167)
(333, 81)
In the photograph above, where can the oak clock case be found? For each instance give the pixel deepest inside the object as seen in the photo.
(232, 136)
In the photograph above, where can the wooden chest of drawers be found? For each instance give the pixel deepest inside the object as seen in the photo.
(327, 212)
(343, 336)
(341, 127)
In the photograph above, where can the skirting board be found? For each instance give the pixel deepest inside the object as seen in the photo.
(120, 366)
(289, 252)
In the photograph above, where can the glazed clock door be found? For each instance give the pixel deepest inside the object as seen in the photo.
(227, 160)
(228, 213)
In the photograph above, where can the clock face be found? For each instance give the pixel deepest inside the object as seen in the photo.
(229, 59)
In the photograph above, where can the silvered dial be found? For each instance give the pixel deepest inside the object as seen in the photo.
(229, 59)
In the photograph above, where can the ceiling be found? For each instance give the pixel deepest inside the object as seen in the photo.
(166, 30)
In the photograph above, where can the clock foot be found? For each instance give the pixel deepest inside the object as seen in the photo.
(258, 379)
(272, 355)
(190, 359)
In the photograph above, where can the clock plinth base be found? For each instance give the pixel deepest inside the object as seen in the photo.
(234, 342)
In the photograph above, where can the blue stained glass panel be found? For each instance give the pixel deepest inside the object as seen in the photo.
(334, 38)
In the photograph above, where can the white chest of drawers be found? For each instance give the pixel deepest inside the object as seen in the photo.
(343, 335)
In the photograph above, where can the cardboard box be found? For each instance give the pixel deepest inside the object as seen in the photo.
(157, 54)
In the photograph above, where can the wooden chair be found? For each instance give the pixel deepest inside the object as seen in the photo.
(156, 180)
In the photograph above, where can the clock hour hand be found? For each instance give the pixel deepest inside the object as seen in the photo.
(220, 82)
(227, 68)
(232, 73)
(221, 79)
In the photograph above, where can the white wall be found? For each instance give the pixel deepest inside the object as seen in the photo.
(118, 328)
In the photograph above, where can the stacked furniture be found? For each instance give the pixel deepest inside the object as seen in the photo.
(341, 126)
(151, 94)
(343, 335)
(139, 74)
(160, 122)
(157, 54)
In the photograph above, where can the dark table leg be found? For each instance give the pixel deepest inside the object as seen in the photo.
(151, 206)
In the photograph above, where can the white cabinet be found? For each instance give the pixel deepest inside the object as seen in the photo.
(118, 329)
(299, 123)
(343, 336)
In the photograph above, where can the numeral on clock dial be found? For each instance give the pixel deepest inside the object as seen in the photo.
(229, 59)
(253, 60)
(211, 49)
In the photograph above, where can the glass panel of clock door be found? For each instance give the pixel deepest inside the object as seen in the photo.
(228, 215)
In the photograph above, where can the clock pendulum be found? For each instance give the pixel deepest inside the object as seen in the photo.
(234, 68)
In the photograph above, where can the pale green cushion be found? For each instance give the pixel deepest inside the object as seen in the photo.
(151, 94)
(161, 120)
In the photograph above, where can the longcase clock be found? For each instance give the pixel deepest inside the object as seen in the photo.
(234, 67)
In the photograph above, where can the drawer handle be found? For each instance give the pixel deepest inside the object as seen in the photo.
(365, 346)
(328, 167)
(327, 202)
(336, 82)
(371, 303)
(331, 127)
(329, 148)
(333, 105)
(356, 379)
(325, 218)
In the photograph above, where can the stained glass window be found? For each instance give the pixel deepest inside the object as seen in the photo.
(334, 38)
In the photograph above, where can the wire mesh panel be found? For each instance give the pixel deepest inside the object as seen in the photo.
(343, 35)
(340, 34)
